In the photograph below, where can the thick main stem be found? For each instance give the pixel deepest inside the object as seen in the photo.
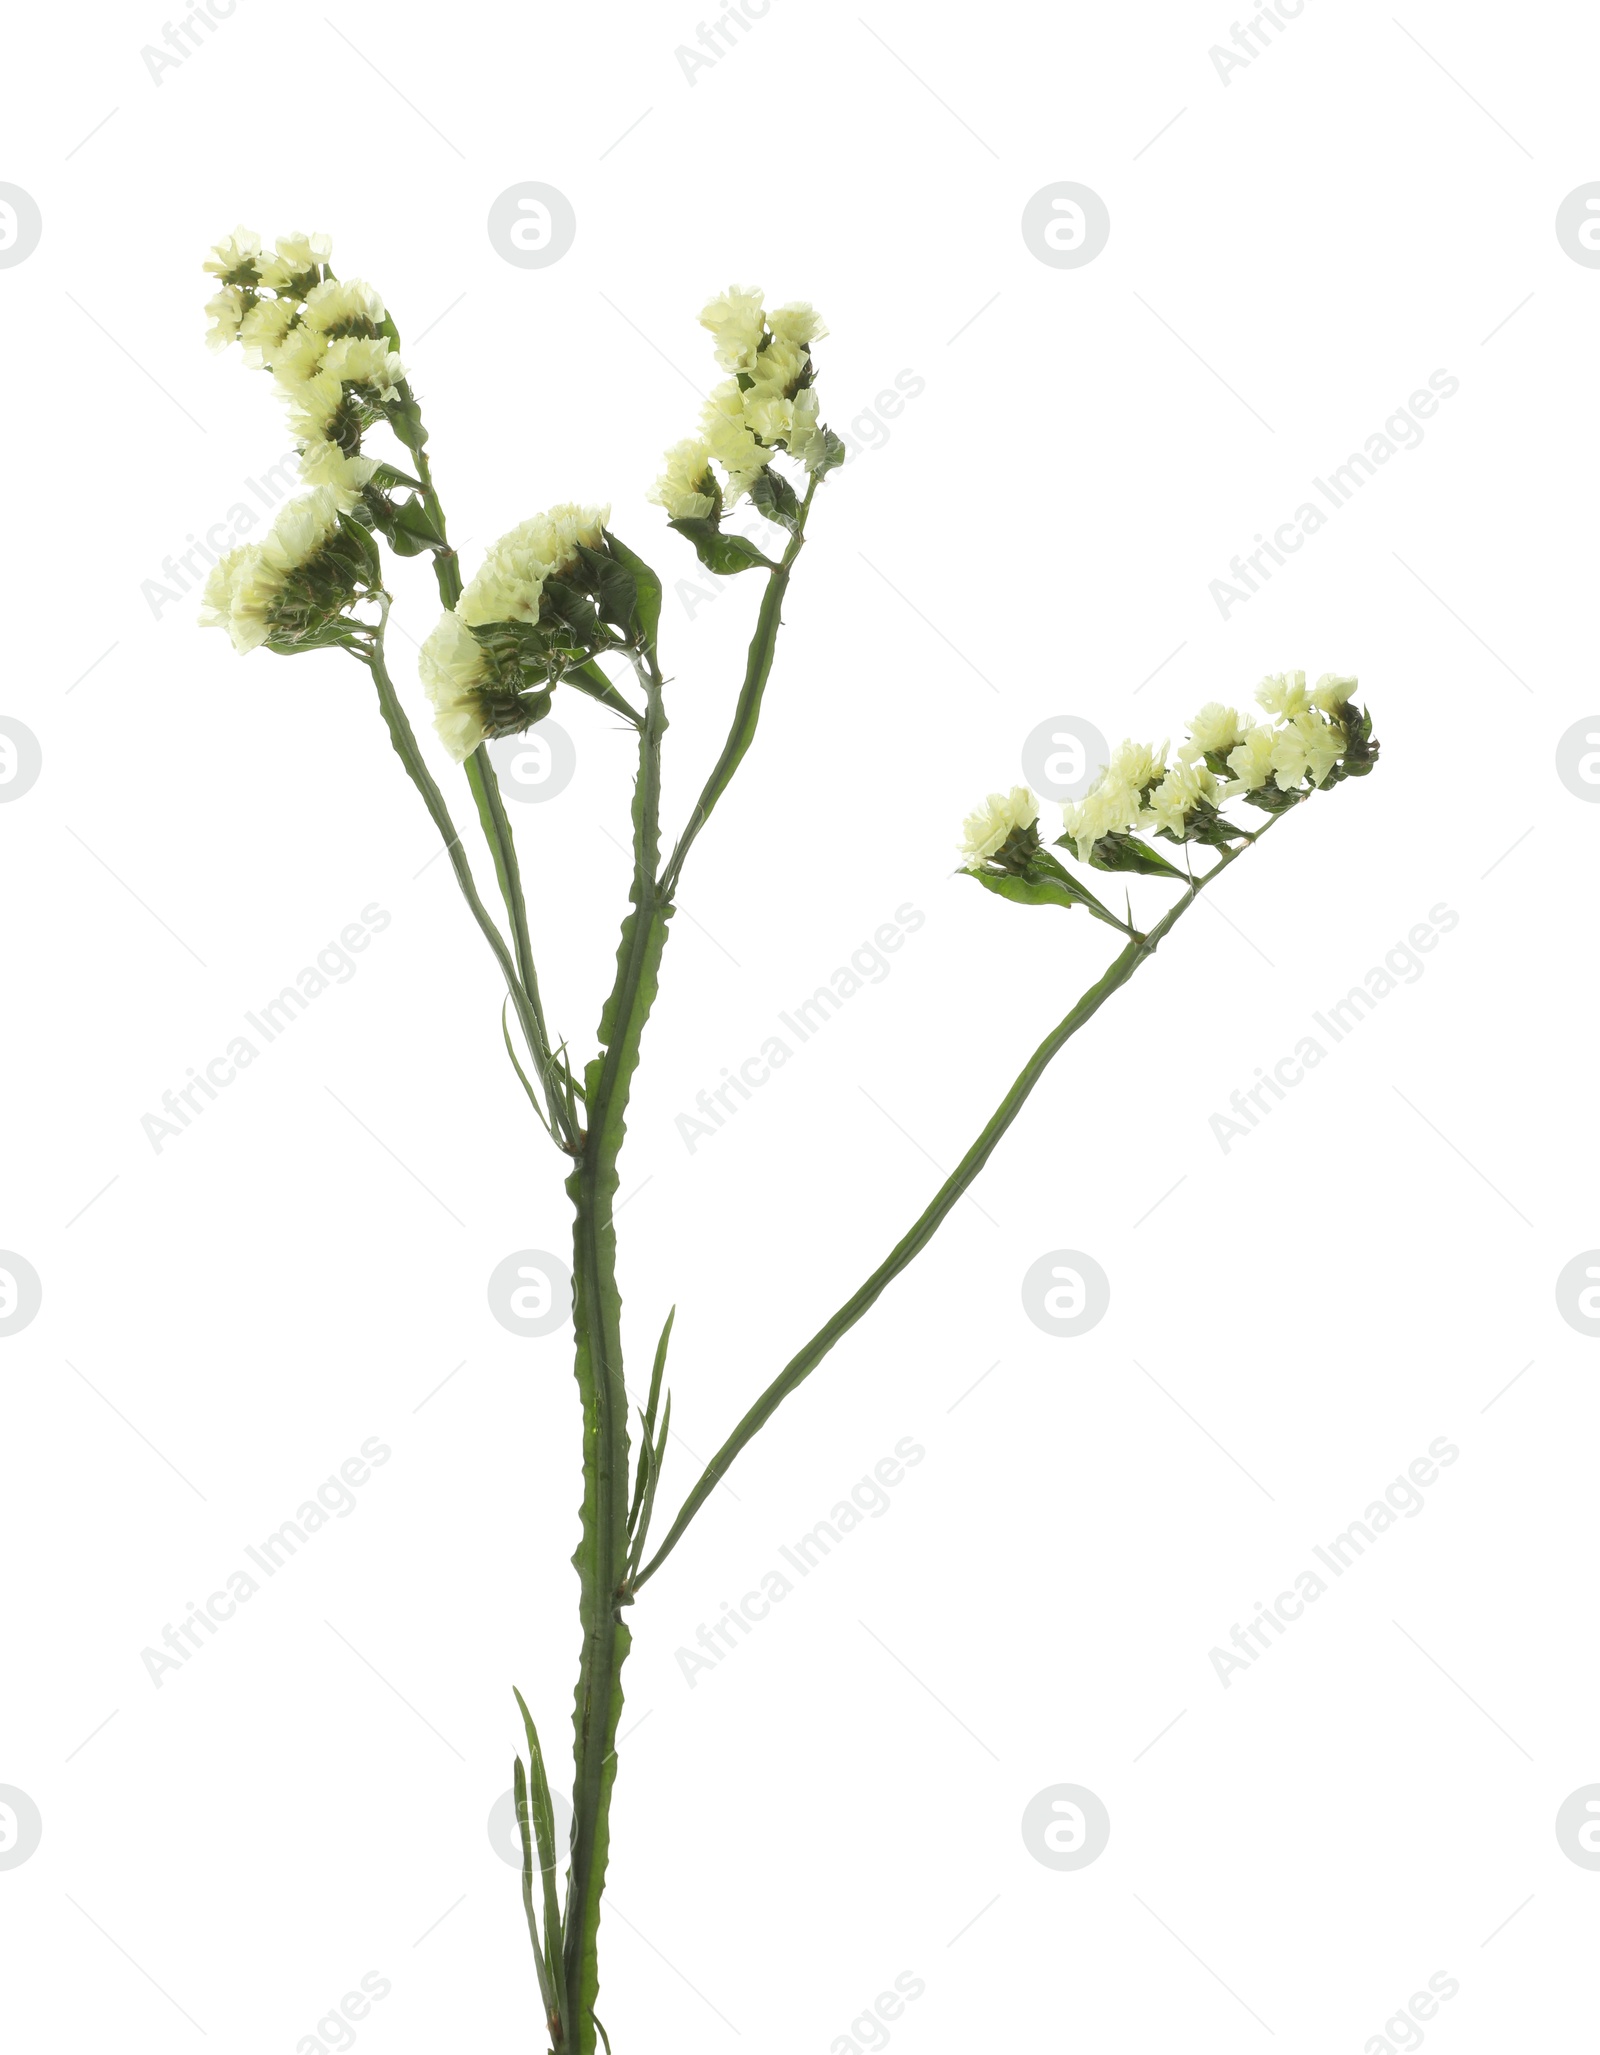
(601, 1557)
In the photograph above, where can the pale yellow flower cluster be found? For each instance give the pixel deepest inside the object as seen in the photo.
(246, 587)
(508, 587)
(987, 830)
(1140, 790)
(767, 404)
(323, 340)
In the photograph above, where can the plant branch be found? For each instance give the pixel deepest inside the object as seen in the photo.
(922, 1231)
(747, 713)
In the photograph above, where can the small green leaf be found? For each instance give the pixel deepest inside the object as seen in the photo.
(647, 587)
(1121, 852)
(1042, 891)
(833, 455)
(724, 554)
(773, 496)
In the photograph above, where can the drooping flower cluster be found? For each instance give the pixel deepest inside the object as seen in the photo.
(327, 342)
(1318, 736)
(292, 589)
(767, 404)
(540, 601)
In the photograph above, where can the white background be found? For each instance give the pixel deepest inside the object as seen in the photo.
(840, 1801)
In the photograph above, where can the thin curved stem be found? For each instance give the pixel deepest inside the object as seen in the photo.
(927, 1224)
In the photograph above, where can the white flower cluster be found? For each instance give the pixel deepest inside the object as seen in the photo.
(767, 404)
(1140, 789)
(987, 830)
(454, 666)
(323, 339)
(245, 590)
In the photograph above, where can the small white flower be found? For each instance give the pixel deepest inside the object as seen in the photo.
(453, 672)
(736, 320)
(244, 588)
(731, 442)
(805, 438)
(295, 255)
(313, 404)
(1331, 691)
(510, 583)
(325, 464)
(1179, 793)
(1323, 742)
(797, 323)
(992, 825)
(775, 371)
(297, 356)
(1289, 758)
(1283, 695)
(234, 253)
(358, 360)
(263, 330)
(227, 311)
(677, 489)
(1250, 762)
(1214, 727)
(343, 303)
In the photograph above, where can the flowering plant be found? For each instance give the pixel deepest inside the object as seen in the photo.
(551, 600)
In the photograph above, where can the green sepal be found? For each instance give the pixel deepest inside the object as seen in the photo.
(773, 496)
(646, 585)
(833, 455)
(1119, 851)
(724, 554)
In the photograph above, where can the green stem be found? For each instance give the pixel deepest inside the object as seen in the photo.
(747, 713)
(923, 1229)
(402, 735)
(601, 1558)
(497, 832)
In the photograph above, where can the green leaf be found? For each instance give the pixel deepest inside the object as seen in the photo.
(773, 496)
(724, 554)
(1121, 852)
(1041, 891)
(616, 596)
(647, 587)
(574, 610)
(833, 455)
